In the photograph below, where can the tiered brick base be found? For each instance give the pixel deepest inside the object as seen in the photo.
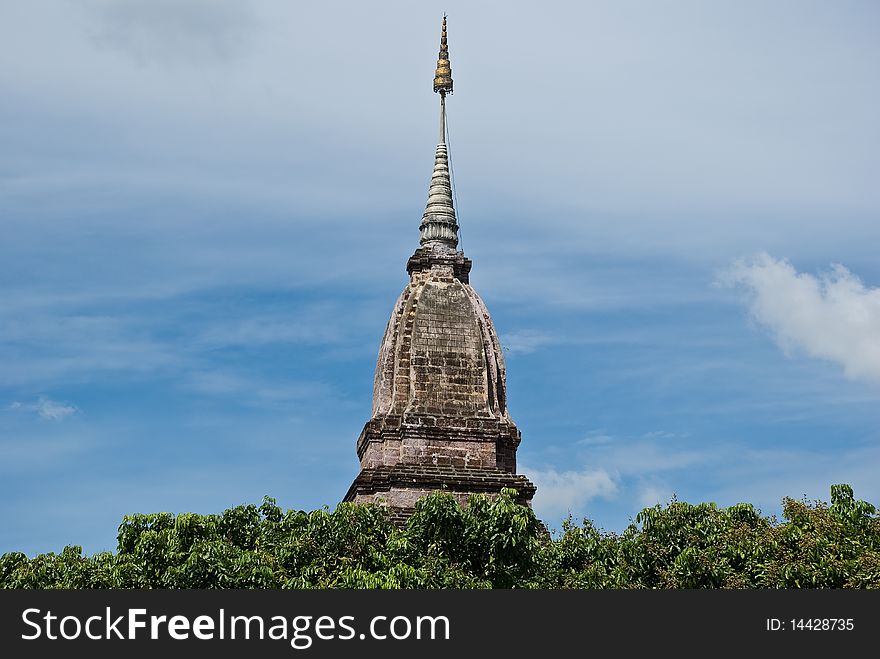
(440, 441)
(404, 459)
(400, 486)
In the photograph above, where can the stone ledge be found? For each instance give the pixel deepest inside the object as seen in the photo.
(461, 480)
(440, 428)
(425, 257)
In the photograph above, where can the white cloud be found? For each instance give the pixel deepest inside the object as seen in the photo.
(832, 316)
(630, 474)
(560, 493)
(47, 409)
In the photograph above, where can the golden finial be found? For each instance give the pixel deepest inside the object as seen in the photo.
(443, 74)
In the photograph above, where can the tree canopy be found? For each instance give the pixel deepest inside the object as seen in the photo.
(487, 544)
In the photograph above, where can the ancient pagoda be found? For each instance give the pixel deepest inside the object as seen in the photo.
(440, 419)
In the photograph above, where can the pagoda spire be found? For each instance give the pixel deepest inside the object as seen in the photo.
(439, 227)
(443, 73)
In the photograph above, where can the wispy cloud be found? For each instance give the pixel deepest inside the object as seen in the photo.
(832, 316)
(563, 492)
(173, 30)
(301, 323)
(653, 492)
(249, 389)
(47, 348)
(526, 340)
(46, 408)
(595, 438)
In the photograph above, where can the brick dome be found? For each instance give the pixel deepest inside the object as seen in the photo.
(440, 355)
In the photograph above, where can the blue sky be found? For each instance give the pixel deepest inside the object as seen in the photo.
(206, 209)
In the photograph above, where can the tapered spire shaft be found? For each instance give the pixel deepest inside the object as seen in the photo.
(439, 226)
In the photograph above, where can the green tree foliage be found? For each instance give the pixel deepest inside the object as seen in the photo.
(488, 544)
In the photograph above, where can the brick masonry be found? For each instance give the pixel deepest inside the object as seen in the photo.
(440, 417)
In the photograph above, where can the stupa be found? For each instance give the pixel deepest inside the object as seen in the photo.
(440, 418)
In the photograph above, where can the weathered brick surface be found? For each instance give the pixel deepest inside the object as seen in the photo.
(445, 440)
(401, 486)
(440, 354)
(439, 397)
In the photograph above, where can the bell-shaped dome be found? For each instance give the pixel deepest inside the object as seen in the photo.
(440, 355)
